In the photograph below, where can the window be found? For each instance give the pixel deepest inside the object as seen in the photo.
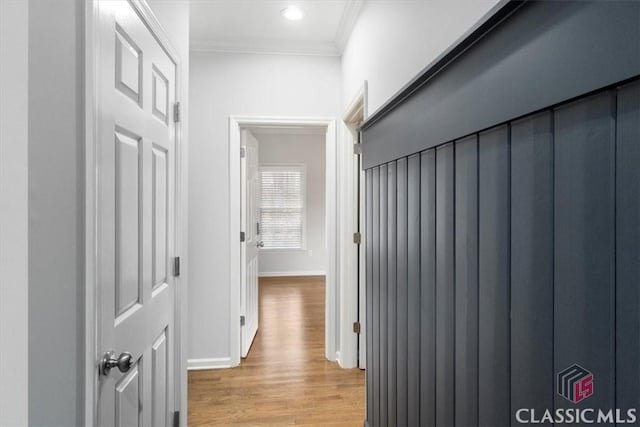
(282, 208)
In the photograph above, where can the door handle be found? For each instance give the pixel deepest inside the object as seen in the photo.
(124, 362)
(260, 244)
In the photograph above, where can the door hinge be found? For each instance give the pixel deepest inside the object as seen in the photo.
(242, 320)
(257, 228)
(176, 112)
(357, 149)
(357, 238)
(176, 419)
(176, 266)
(243, 152)
(356, 327)
(242, 238)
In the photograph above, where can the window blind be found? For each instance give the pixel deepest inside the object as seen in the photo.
(282, 206)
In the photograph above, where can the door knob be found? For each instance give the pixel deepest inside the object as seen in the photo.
(260, 244)
(124, 362)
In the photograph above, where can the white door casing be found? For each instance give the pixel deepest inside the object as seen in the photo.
(250, 218)
(136, 145)
(236, 125)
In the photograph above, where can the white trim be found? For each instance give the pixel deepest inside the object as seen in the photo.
(92, 74)
(14, 213)
(92, 303)
(214, 363)
(291, 273)
(349, 294)
(236, 123)
(267, 47)
(347, 22)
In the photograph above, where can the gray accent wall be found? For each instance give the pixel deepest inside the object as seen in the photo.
(503, 222)
(508, 256)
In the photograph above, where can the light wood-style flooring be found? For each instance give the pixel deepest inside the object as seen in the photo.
(285, 380)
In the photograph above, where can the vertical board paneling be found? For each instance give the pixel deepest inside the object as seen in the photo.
(369, 290)
(493, 279)
(532, 264)
(628, 248)
(499, 260)
(413, 308)
(466, 282)
(402, 302)
(445, 294)
(584, 244)
(427, 288)
(375, 356)
(383, 295)
(392, 318)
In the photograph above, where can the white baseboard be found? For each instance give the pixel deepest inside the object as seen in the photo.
(215, 363)
(291, 273)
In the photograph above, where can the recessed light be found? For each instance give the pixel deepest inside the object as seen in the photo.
(292, 13)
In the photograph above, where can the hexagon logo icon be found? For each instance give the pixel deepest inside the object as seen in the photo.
(575, 383)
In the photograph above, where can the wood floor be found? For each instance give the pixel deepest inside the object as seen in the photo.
(285, 380)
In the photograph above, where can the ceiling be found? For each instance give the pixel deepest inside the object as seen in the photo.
(257, 26)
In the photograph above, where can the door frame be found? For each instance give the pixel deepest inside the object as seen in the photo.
(236, 124)
(352, 298)
(92, 294)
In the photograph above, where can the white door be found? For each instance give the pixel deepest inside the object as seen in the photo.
(250, 224)
(136, 146)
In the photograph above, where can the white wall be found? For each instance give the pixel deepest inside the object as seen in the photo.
(14, 302)
(392, 41)
(56, 213)
(310, 151)
(222, 85)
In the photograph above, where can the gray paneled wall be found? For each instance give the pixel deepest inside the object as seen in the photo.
(497, 260)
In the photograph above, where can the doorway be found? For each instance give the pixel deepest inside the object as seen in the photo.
(266, 126)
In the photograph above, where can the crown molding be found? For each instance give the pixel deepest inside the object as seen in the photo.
(267, 47)
(347, 22)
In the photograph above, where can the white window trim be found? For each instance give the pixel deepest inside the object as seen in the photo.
(288, 166)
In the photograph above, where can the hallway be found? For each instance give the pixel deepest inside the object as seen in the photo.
(285, 380)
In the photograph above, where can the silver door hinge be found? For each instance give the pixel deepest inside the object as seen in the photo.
(356, 327)
(242, 236)
(357, 149)
(176, 112)
(176, 419)
(243, 152)
(176, 266)
(357, 238)
(241, 320)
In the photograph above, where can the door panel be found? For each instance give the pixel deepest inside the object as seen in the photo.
(250, 189)
(159, 380)
(127, 398)
(136, 161)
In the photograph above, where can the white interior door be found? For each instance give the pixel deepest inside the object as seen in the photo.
(136, 146)
(250, 203)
